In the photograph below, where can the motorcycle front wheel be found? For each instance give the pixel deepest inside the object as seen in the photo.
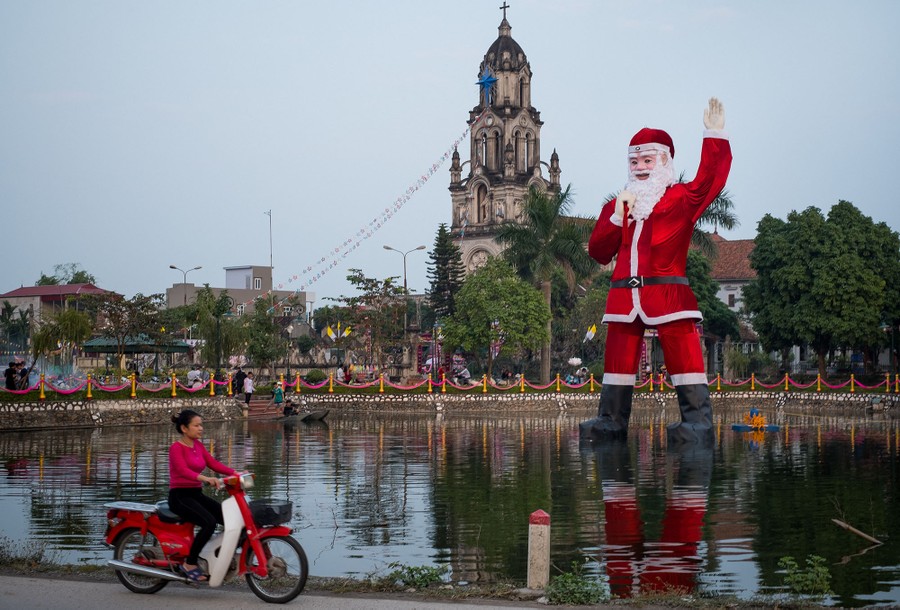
(287, 566)
(130, 546)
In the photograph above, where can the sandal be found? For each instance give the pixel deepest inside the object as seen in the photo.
(196, 575)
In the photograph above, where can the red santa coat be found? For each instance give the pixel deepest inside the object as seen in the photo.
(658, 245)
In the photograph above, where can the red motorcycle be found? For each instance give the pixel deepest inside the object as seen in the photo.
(150, 542)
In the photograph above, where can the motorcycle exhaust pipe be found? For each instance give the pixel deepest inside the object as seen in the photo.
(127, 566)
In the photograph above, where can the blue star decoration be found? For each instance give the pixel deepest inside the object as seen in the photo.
(486, 81)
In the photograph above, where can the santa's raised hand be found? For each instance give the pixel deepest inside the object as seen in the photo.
(714, 116)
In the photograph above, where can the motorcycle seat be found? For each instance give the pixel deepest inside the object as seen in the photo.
(166, 514)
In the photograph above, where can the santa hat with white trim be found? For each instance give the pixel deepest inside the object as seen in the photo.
(651, 139)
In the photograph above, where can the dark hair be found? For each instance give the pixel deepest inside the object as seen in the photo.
(183, 419)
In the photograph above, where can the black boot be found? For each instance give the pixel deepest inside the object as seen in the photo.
(693, 463)
(696, 416)
(612, 415)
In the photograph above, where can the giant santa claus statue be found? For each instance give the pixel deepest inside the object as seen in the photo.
(648, 229)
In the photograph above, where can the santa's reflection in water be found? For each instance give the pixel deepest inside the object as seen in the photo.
(669, 562)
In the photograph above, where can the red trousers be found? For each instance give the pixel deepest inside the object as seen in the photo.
(636, 565)
(680, 343)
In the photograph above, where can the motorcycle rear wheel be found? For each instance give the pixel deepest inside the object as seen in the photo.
(127, 547)
(288, 570)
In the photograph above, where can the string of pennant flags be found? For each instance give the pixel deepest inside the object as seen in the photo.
(312, 273)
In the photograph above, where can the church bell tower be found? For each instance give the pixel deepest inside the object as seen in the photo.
(504, 152)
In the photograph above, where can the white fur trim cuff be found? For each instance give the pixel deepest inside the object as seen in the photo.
(715, 133)
(618, 379)
(690, 379)
(616, 220)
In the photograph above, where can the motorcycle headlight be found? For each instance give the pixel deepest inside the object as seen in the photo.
(247, 480)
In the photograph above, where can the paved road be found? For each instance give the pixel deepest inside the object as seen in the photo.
(21, 593)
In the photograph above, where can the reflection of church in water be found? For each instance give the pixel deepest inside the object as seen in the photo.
(504, 152)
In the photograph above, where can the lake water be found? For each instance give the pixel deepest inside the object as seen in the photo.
(457, 490)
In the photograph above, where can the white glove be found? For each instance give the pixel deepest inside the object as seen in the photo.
(623, 203)
(714, 116)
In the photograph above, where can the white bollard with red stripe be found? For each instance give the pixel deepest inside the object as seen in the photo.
(538, 550)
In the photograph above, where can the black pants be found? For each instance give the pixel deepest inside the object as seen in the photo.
(194, 506)
(247, 397)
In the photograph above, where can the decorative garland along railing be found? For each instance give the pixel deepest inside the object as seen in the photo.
(655, 383)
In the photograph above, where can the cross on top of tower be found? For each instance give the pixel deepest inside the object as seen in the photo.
(503, 8)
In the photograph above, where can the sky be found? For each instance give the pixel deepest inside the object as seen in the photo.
(138, 135)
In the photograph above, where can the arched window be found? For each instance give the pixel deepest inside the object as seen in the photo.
(529, 152)
(483, 149)
(481, 203)
(522, 101)
(519, 150)
(495, 146)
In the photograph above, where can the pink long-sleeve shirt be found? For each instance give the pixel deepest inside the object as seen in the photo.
(185, 463)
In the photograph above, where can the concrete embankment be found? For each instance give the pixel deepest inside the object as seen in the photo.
(97, 413)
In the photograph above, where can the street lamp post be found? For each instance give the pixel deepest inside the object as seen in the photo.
(405, 290)
(404, 260)
(184, 285)
(184, 277)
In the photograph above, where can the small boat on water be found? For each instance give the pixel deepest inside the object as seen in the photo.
(306, 417)
(311, 416)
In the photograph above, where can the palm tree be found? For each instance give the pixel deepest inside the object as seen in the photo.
(720, 213)
(546, 240)
(72, 328)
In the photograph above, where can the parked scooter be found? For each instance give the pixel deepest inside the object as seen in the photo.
(150, 543)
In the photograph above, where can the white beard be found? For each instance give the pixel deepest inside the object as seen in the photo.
(648, 192)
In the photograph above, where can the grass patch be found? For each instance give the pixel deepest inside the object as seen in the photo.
(25, 555)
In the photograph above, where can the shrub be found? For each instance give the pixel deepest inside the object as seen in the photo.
(316, 376)
(418, 577)
(814, 580)
(577, 589)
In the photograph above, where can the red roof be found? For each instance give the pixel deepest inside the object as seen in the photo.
(733, 260)
(49, 292)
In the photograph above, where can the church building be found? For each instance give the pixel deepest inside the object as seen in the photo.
(489, 188)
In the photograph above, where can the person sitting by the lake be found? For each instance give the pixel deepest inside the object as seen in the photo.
(188, 458)
(249, 388)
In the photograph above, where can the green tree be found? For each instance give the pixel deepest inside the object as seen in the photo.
(122, 319)
(823, 281)
(446, 272)
(16, 326)
(720, 213)
(718, 320)
(223, 335)
(330, 315)
(377, 310)
(495, 307)
(66, 273)
(265, 343)
(72, 327)
(586, 313)
(547, 240)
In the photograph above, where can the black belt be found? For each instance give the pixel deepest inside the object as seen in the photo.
(639, 281)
